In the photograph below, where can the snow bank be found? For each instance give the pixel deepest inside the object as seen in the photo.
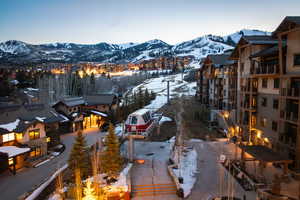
(122, 181)
(165, 119)
(36, 192)
(10, 126)
(187, 170)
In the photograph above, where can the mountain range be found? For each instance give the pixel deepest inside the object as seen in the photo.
(21, 53)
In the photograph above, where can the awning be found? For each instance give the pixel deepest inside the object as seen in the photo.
(13, 151)
(265, 154)
(98, 113)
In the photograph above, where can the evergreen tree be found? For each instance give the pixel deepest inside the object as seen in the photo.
(79, 158)
(111, 159)
(152, 95)
(147, 97)
(140, 98)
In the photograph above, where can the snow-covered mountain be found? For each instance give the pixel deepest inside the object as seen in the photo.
(17, 52)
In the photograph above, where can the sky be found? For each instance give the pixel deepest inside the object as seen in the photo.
(122, 21)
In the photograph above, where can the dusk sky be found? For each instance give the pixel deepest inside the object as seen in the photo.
(121, 21)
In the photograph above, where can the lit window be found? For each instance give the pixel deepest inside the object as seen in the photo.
(10, 161)
(48, 139)
(8, 137)
(19, 136)
(34, 134)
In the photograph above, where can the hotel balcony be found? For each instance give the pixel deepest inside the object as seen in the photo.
(247, 89)
(290, 92)
(264, 69)
(289, 116)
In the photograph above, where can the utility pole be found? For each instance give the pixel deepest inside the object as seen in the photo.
(168, 92)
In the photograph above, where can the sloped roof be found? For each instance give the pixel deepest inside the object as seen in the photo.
(73, 101)
(260, 39)
(284, 25)
(253, 40)
(219, 59)
(27, 114)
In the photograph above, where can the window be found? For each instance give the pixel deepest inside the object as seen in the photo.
(133, 120)
(8, 137)
(34, 134)
(275, 103)
(264, 101)
(274, 126)
(36, 151)
(263, 122)
(11, 161)
(264, 83)
(296, 59)
(276, 83)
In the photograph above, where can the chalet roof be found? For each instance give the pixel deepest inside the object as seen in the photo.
(287, 23)
(266, 52)
(271, 51)
(73, 101)
(260, 39)
(27, 115)
(219, 59)
(265, 154)
(99, 99)
(253, 40)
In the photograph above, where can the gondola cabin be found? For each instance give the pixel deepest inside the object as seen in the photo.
(140, 122)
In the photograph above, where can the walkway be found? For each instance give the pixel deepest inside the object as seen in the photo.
(152, 176)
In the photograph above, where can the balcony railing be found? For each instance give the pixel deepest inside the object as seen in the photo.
(287, 140)
(247, 89)
(260, 68)
(287, 115)
(290, 92)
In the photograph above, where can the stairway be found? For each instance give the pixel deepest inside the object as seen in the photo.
(153, 190)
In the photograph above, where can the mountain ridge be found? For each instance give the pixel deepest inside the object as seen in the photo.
(18, 52)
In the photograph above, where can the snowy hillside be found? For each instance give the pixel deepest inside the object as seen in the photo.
(17, 52)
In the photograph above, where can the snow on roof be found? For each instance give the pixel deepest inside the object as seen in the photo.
(65, 119)
(140, 111)
(41, 119)
(99, 113)
(10, 126)
(32, 89)
(13, 151)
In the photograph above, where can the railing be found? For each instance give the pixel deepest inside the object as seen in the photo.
(260, 68)
(287, 115)
(290, 92)
(287, 140)
(247, 89)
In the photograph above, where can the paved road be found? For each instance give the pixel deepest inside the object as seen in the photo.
(154, 170)
(12, 187)
(208, 182)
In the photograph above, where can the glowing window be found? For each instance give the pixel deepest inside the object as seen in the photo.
(34, 134)
(8, 137)
(10, 161)
(19, 136)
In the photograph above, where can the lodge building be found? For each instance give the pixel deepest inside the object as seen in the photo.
(261, 80)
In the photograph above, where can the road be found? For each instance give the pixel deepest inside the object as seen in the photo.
(27, 179)
(209, 184)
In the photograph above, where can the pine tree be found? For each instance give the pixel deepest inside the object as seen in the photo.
(147, 97)
(152, 95)
(111, 159)
(79, 155)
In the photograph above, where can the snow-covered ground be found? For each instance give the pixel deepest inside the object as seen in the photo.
(178, 87)
(187, 170)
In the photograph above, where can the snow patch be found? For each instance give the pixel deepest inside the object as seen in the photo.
(13, 150)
